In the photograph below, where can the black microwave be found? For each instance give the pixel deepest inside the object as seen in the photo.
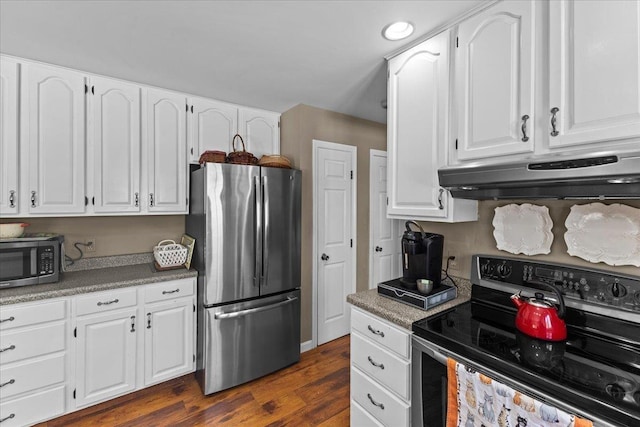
(30, 261)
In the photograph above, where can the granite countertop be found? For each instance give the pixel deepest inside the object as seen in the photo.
(102, 274)
(403, 314)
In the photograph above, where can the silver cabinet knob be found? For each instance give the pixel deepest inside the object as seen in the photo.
(324, 257)
(378, 249)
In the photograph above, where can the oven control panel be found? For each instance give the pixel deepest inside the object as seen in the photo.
(594, 286)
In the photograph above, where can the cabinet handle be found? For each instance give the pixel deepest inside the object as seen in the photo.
(133, 323)
(440, 205)
(378, 249)
(148, 320)
(11, 347)
(375, 332)
(151, 199)
(170, 292)
(11, 381)
(9, 319)
(525, 138)
(7, 417)
(115, 301)
(324, 257)
(12, 199)
(554, 111)
(379, 405)
(377, 365)
(137, 199)
(33, 199)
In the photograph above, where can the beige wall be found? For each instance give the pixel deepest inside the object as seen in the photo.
(300, 126)
(466, 239)
(113, 235)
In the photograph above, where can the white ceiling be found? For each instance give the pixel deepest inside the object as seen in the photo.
(266, 54)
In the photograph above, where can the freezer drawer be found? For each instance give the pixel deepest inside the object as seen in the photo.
(247, 340)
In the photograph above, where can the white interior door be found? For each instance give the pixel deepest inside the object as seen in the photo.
(334, 232)
(385, 259)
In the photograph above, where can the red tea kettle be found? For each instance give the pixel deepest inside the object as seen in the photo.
(538, 317)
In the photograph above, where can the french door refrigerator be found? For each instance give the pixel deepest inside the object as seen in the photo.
(246, 222)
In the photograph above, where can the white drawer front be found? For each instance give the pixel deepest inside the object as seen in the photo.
(36, 341)
(33, 408)
(104, 301)
(169, 290)
(379, 402)
(382, 332)
(22, 377)
(361, 418)
(389, 370)
(15, 316)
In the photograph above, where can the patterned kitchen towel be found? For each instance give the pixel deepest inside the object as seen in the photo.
(476, 400)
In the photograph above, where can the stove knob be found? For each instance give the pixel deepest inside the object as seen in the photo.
(617, 290)
(636, 397)
(636, 297)
(504, 270)
(616, 391)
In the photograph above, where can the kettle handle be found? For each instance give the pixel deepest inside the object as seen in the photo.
(408, 223)
(561, 308)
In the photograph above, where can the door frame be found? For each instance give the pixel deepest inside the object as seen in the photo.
(317, 144)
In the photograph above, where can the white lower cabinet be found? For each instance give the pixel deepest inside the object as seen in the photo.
(380, 372)
(33, 362)
(65, 354)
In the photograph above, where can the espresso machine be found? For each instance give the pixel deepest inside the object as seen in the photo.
(421, 255)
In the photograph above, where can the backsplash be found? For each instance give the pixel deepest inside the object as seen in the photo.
(114, 235)
(465, 239)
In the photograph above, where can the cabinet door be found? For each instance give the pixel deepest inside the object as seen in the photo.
(594, 67)
(115, 136)
(494, 82)
(106, 356)
(168, 346)
(166, 141)
(9, 137)
(212, 126)
(260, 130)
(418, 99)
(55, 118)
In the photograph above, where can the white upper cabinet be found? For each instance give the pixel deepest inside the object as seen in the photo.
(494, 82)
(166, 144)
(212, 125)
(417, 134)
(260, 130)
(9, 137)
(114, 133)
(54, 125)
(594, 83)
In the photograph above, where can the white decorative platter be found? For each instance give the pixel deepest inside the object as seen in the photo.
(523, 229)
(604, 233)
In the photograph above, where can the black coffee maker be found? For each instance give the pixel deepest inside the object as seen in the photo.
(421, 255)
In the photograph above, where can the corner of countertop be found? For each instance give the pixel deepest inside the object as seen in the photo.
(402, 314)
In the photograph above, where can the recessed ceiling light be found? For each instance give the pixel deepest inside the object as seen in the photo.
(398, 30)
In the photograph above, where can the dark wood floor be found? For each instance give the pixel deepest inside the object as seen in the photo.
(313, 392)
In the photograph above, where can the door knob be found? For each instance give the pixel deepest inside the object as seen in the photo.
(324, 257)
(378, 249)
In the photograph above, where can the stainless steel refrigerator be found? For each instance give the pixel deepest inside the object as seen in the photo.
(246, 222)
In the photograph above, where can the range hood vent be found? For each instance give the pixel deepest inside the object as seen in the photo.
(580, 175)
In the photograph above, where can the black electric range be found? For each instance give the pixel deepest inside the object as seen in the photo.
(597, 368)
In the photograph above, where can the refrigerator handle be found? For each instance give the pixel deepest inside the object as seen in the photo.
(265, 246)
(258, 243)
(253, 310)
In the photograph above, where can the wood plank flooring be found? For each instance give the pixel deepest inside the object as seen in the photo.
(313, 392)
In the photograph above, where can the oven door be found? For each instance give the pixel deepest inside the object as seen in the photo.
(429, 386)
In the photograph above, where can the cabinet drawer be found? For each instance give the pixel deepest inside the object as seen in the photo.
(33, 408)
(382, 332)
(381, 365)
(23, 377)
(15, 316)
(105, 301)
(36, 341)
(361, 418)
(379, 402)
(169, 290)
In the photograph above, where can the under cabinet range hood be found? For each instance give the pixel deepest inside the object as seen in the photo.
(577, 175)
